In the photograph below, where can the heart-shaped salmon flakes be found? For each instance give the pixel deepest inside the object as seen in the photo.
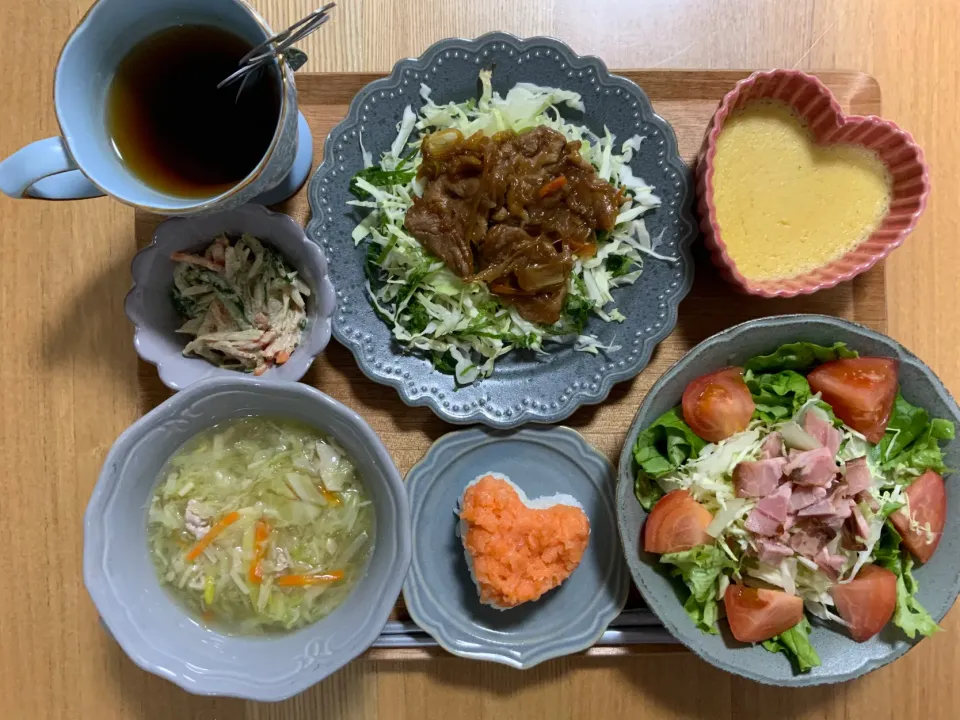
(794, 196)
(518, 549)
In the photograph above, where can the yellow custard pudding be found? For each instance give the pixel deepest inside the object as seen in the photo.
(786, 205)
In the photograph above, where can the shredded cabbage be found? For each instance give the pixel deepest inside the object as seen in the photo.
(297, 525)
(709, 479)
(462, 326)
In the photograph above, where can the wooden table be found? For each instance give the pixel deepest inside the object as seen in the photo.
(68, 370)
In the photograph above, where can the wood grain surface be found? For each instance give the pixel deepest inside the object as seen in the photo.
(69, 376)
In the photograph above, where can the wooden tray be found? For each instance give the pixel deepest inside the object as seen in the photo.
(686, 99)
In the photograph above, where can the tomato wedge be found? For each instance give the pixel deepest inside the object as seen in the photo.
(756, 614)
(867, 602)
(861, 391)
(928, 508)
(677, 522)
(718, 404)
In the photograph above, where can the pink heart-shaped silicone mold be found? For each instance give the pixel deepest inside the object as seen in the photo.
(817, 105)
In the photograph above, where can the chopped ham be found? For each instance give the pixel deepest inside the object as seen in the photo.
(772, 446)
(813, 467)
(758, 478)
(771, 551)
(858, 524)
(858, 476)
(866, 497)
(821, 508)
(809, 539)
(805, 496)
(822, 431)
(759, 523)
(829, 563)
(834, 522)
(843, 507)
(777, 505)
(768, 517)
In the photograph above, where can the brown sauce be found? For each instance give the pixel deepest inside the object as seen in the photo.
(514, 211)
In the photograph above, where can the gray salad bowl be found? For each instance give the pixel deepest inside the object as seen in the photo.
(154, 629)
(149, 308)
(524, 387)
(843, 658)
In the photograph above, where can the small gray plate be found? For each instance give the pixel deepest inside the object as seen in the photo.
(524, 387)
(441, 596)
(843, 658)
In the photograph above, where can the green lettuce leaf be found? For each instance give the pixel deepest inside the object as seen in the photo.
(798, 356)
(666, 444)
(795, 644)
(646, 491)
(662, 448)
(910, 616)
(907, 423)
(919, 449)
(700, 569)
(777, 396)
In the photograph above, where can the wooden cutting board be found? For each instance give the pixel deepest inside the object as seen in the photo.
(686, 99)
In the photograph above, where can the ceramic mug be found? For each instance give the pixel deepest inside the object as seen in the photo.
(82, 163)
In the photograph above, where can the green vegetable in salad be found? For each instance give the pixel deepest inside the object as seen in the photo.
(907, 423)
(671, 457)
(244, 307)
(911, 444)
(910, 616)
(799, 357)
(662, 448)
(700, 569)
(777, 396)
(795, 644)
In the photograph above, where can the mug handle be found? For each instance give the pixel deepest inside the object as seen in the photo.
(44, 169)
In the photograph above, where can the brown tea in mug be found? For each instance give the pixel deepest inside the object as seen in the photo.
(170, 124)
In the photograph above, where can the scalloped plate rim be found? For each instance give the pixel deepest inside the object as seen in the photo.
(686, 212)
(625, 488)
(519, 658)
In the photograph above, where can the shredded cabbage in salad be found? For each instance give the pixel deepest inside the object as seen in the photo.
(260, 524)
(462, 326)
(840, 517)
(709, 479)
(242, 303)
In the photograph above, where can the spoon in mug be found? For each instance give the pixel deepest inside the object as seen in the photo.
(280, 44)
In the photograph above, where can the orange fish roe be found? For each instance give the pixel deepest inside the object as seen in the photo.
(519, 553)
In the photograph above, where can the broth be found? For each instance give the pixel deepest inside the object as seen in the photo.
(260, 524)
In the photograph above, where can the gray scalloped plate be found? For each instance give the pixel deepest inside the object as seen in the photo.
(843, 659)
(441, 596)
(523, 388)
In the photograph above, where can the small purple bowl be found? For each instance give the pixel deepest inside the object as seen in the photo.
(155, 320)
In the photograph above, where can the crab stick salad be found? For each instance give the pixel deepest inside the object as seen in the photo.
(802, 484)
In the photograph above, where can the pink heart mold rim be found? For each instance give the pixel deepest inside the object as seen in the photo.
(829, 125)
